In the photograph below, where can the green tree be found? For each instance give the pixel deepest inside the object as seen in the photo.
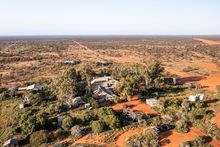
(67, 123)
(97, 126)
(42, 120)
(153, 73)
(148, 138)
(182, 126)
(67, 83)
(28, 124)
(127, 87)
(39, 138)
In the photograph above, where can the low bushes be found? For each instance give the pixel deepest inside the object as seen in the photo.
(197, 142)
(146, 138)
(38, 138)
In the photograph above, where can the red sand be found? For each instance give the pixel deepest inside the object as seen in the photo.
(209, 42)
(217, 119)
(135, 104)
(209, 82)
(121, 139)
(176, 138)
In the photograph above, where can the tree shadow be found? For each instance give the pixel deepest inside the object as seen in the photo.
(211, 101)
(190, 79)
(208, 138)
(163, 137)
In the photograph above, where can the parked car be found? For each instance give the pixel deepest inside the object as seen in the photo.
(162, 128)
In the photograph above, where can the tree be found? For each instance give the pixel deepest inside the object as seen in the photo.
(153, 73)
(127, 87)
(97, 126)
(148, 138)
(67, 123)
(76, 131)
(38, 138)
(30, 122)
(182, 126)
(87, 73)
(42, 120)
(68, 83)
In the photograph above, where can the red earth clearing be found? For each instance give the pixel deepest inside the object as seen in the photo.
(209, 42)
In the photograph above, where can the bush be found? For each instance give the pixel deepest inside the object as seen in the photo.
(86, 116)
(67, 123)
(197, 142)
(76, 131)
(182, 126)
(68, 83)
(97, 126)
(38, 138)
(148, 138)
(28, 124)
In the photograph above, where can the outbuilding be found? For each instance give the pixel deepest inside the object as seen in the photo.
(197, 97)
(152, 102)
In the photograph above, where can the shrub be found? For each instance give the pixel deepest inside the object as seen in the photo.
(147, 138)
(182, 126)
(197, 142)
(68, 83)
(67, 123)
(76, 131)
(38, 138)
(97, 126)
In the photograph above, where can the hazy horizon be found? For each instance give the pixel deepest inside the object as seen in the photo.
(104, 18)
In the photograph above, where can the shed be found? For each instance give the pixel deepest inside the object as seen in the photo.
(152, 102)
(59, 121)
(197, 97)
(77, 101)
(31, 87)
(21, 105)
(11, 142)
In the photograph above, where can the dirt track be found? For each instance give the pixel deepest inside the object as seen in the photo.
(209, 42)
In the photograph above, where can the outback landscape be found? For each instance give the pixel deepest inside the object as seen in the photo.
(118, 91)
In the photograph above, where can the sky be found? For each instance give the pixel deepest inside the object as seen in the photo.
(109, 17)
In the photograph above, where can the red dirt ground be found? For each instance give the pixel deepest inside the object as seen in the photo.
(217, 119)
(121, 139)
(209, 42)
(209, 82)
(170, 138)
(174, 138)
(135, 104)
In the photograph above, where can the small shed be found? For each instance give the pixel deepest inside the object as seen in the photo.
(197, 97)
(21, 105)
(87, 105)
(11, 142)
(77, 101)
(59, 121)
(152, 102)
(31, 87)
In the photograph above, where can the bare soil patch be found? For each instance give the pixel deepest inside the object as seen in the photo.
(209, 42)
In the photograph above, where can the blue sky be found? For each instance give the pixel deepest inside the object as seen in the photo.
(113, 17)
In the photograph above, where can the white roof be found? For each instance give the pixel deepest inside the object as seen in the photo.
(31, 87)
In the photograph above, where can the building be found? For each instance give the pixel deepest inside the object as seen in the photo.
(152, 102)
(59, 121)
(75, 102)
(12, 142)
(72, 62)
(21, 105)
(103, 87)
(197, 97)
(31, 87)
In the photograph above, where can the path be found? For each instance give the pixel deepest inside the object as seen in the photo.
(209, 42)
